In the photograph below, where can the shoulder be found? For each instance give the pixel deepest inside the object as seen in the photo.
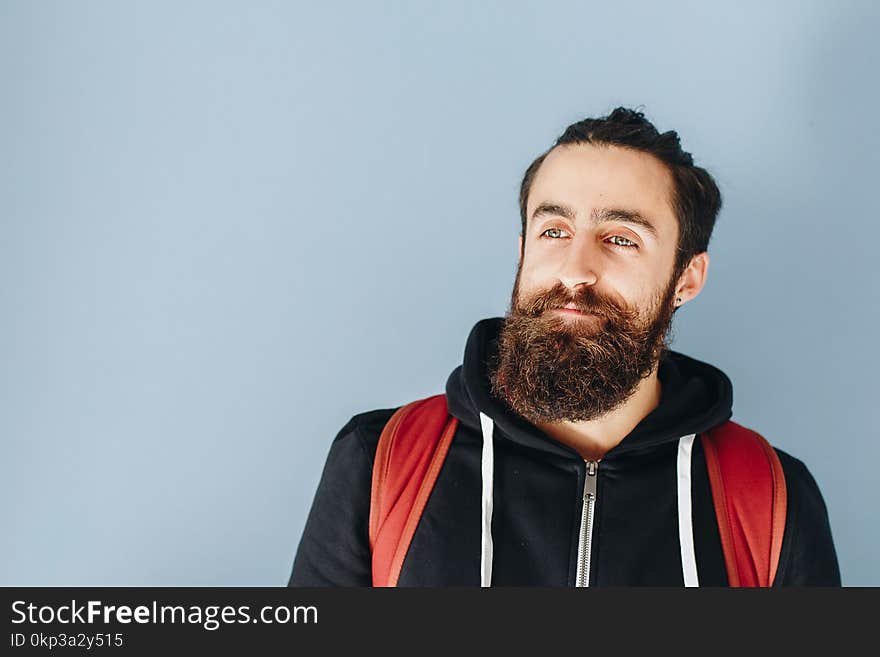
(800, 485)
(334, 548)
(797, 475)
(804, 497)
(361, 433)
(368, 421)
(808, 557)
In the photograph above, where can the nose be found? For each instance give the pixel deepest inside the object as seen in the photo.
(579, 265)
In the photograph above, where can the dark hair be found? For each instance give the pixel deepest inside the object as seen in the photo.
(696, 198)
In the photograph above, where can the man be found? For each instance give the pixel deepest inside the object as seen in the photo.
(576, 389)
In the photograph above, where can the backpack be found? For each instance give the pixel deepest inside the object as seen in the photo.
(745, 475)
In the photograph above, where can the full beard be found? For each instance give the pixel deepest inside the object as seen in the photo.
(554, 368)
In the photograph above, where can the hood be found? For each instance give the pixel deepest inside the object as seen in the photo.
(695, 397)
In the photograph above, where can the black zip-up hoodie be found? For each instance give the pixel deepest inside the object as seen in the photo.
(538, 497)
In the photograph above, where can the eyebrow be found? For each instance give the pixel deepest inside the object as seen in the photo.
(599, 215)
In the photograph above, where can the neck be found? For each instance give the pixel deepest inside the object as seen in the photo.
(593, 438)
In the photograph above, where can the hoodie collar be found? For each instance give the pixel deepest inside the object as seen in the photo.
(695, 397)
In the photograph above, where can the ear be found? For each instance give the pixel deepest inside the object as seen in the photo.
(520, 248)
(693, 277)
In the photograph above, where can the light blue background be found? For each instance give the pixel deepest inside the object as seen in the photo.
(226, 227)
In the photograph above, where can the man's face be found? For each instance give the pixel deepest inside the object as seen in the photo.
(600, 238)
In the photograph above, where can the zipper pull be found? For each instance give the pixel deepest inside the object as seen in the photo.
(590, 481)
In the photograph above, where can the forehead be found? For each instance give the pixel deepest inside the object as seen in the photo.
(589, 177)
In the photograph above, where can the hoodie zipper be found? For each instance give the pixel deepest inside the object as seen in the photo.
(586, 534)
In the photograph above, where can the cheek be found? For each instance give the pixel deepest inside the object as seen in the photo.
(641, 295)
(637, 283)
(647, 299)
(527, 285)
(535, 268)
(532, 278)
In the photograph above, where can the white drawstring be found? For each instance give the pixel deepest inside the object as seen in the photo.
(488, 468)
(685, 515)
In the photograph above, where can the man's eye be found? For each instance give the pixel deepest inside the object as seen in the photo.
(623, 242)
(553, 233)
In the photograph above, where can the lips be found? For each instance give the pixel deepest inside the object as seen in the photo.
(572, 310)
(575, 312)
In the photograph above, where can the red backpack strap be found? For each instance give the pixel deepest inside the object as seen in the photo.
(411, 451)
(748, 489)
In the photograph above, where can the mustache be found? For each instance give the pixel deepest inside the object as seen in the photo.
(585, 299)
